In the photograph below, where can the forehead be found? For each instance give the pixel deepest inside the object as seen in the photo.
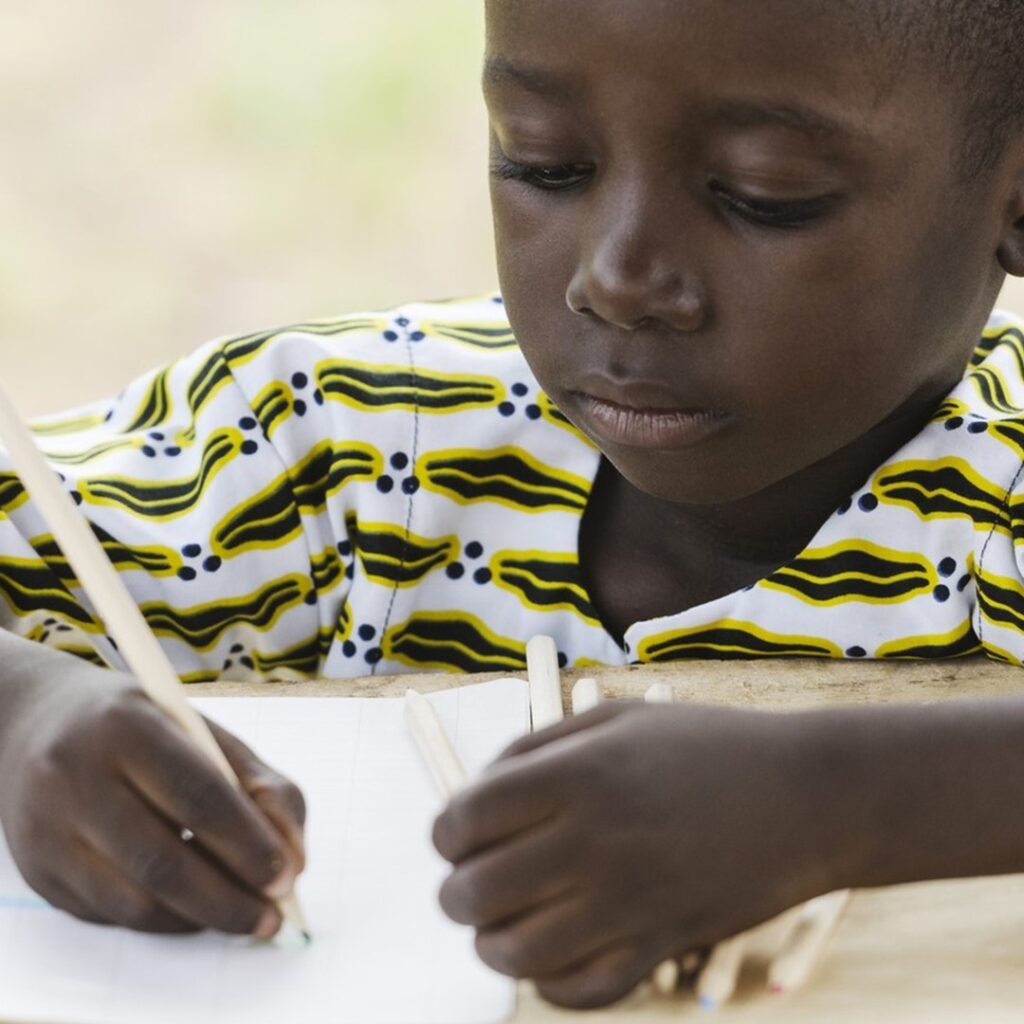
(645, 52)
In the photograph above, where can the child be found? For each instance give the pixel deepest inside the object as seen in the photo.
(748, 251)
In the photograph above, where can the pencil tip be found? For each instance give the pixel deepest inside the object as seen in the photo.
(307, 937)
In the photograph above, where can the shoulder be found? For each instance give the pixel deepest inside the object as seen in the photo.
(469, 335)
(417, 376)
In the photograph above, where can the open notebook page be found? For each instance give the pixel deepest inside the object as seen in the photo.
(382, 951)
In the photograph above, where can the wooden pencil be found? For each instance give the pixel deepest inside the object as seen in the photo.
(660, 693)
(120, 614)
(545, 686)
(717, 982)
(433, 744)
(792, 966)
(586, 694)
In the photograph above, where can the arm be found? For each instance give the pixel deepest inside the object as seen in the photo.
(595, 849)
(96, 784)
(923, 792)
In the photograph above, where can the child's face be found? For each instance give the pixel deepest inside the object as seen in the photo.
(754, 216)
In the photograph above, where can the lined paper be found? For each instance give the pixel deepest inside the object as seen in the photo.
(383, 951)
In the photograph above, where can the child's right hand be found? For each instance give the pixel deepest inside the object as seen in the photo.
(96, 785)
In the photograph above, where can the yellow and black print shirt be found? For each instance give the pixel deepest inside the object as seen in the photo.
(391, 491)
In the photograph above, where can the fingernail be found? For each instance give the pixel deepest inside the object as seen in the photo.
(268, 924)
(283, 884)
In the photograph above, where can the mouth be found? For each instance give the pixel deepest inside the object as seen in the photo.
(634, 426)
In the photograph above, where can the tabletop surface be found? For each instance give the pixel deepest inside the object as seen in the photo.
(934, 952)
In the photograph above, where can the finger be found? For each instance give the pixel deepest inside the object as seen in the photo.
(149, 852)
(111, 895)
(60, 896)
(185, 787)
(603, 712)
(604, 979)
(521, 792)
(546, 941)
(280, 800)
(504, 802)
(509, 880)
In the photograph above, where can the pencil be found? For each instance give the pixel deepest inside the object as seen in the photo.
(120, 614)
(660, 693)
(717, 981)
(818, 920)
(433, 744)
(545, 687)
(665, 979)
(586, 694)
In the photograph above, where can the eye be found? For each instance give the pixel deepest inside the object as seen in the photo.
(773, 213)
(555, 178)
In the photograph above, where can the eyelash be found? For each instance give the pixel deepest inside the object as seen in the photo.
(758, 211)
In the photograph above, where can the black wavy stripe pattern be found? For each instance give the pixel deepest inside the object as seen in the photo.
(729, 643)
(504, 476)
(201, 627)
(545, 584)
(452, 642)
(382, 388)
(165, 498)
(853, 574)
(960, 496)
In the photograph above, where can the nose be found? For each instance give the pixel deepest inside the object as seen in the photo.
(631, 270)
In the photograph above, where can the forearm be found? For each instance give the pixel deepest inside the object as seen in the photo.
(907, 793)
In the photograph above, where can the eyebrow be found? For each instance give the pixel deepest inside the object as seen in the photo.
(803, 119)
(499, 71)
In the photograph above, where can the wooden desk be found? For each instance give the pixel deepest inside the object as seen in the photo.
(932, 953)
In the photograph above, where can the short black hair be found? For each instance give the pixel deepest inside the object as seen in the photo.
(978, 45)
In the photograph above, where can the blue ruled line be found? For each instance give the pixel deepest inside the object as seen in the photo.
(23, 903)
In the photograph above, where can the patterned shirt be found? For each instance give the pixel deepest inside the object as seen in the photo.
(391, 491)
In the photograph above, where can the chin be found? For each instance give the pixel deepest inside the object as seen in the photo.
(691, 486)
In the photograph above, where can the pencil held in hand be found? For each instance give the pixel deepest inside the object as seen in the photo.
(433, 744)
(121, 616)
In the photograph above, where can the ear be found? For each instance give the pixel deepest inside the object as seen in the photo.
(1011, 249)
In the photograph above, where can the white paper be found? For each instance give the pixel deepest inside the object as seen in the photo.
(383, 951)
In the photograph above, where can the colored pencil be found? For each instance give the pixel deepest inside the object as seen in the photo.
(433, 744)
(586, 694)
(545, 687)
(819, 917)
(717, 982)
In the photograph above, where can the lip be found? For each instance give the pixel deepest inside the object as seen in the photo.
(649, 426)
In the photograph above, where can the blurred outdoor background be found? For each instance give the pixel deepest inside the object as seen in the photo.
(174, 170)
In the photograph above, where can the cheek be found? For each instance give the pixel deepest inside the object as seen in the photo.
(535, 255)
(829, 329)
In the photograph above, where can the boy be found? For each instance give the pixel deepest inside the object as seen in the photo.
(747, 250)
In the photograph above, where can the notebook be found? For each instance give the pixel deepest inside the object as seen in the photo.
(383, 951)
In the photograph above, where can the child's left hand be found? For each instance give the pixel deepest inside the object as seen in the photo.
(595, 849)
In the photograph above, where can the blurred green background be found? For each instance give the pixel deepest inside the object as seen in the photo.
(173, 170)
